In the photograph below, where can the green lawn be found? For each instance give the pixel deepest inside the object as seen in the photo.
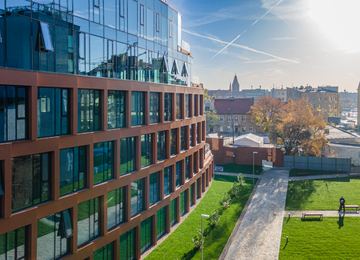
(331, 238)
(179, 244)
(242, 168)
(322, 194)
(294, 172)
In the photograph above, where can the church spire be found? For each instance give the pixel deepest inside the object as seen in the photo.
(235, 85)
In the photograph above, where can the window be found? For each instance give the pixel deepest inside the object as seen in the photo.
(334, 98)
(196, 111)
(330, 98)
(221, 119)
(161, 145)
(191, 137)
(137, 196)
(183, 138)
(73, 170)
(243, 118)
(167, 180)
(127, 155)
(53, 235)
(334, 106)
(236, 118)
(127, 245)
(157, 22)
(142, 15)
(43, 42)
(154, 108)
(187, 168)
(103, 161)
(173, 141)
(168, 106)
(173, 212)
(13, 113)
(31, 180)
(89, 226)
(194, 162)
(182, 203)
(187, 105)
(154, 188)
(89, 110)
(198, 135)
(244, 128)
(191, 194)
(146, 150)
(161, 223)
(137, 108)
(178, 173)
(175, 69)
(179, 106)
(329, 106)
(122, 8)
(14, 244)
(53, 111)
(146, 234)
(200, 156)
(319, 106)
(334, 114)
(319, 98)
(116, 207)
(116, 109)
(325, 99)
(201, 105)
(105, 253)
(250, 128)
(229, 118)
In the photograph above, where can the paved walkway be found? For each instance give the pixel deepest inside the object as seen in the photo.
(258, 236)
(326, 213)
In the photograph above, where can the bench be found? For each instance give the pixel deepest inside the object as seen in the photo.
(312, 215)
(352, 207)
(302, 174)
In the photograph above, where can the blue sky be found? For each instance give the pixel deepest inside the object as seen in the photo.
(293, 42)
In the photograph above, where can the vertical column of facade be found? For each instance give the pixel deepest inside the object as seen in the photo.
(201, 154)
(103, 214)
(32, 239)
(203, 182)
(187, 195)
(203, 130)
(178, 148)
(147, 108)
(168, 144)
(89, 164)
(191, 104)
(116, 159)
(173, 178)
(74, 109)
(73, 245)
(32, 100)
(154, 147)
(55, 186)
(162, 184)
(138, 152)
(199, 187)
(117, 248)
(147, 193)
(162, 107)
(193, 193)
(128, 203)
(191, 164)
(200, 131)
(128, 108)
(104, 108)
(187, 137)
(182, 171)
(167, 219)
(207, 177)
(183, 112)
(5, 152)
(173, 106)
(138, 242)
(154, 229)
(178, 215)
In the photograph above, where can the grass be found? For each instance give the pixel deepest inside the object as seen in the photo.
(294, 172)
(322, 194)
(331, 238)
(242, 168)
(179, 244)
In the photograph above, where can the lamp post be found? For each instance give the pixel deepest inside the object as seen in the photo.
(253, 167)
(202, 238)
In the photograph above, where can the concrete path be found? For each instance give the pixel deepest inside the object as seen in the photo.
(326, 213)
(258, 236)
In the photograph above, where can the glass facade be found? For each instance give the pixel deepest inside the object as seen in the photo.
(196, 107)
(13, 112)
(161, 145)
(198, 134)
(146, 150)
(137, 108)
(116, 207)
(146, 234)
(173, 210)
(154, 188)
(173, 142)
(168, 97)
(105, 253)
(127, 155)
(195, 170)
(182, 203)
(167, 180)
(183, 131)
(53, 236)
(187, 167)
(187, 105)
(154, 108)
(161, 222)
(127, 245)
(53, 112)
(191, 194)
(179, 106)
(113, 39)
(137, 196)
(191, 137)
(31, 180)
(14, 244)
(178, 172)
(103, 161)
(89, 110)
(72, 169)
(116, 109)
(88, 221)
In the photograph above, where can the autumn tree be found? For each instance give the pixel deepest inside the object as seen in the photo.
(212, 120)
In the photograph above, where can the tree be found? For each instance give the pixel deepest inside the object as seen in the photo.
(296, 123)
(212, 120)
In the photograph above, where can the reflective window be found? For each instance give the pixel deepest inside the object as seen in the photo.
(137, 108)
(196, 106)
(31, 180)
(53, 235)
(105, 253)
(127, 245)
(14, 244)
(198, 134)
(161, 145)
(146, 235)
(182, 203)
(116, 207)
(161, 222)
(53, 111)
(127, 155)
(187, 105)
(154, 188)
(103, 161)
(116, 109)
(13, 113)
(179, 98)
(89, 110)
(173, 141)
(137, 196)
(89, 226)
(146, 150)
(154, 108)
(173, 212)
(178, 172)
(168, 106)
(183, 131)
(187, 167)
(191, 137)
(73, 170)
(195, 155)
(167, 180)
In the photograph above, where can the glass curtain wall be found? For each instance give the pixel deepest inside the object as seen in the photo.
(116, 207)
(161, 222)
(173, 141)
(103, 161)
(167, 180)
(196, 107)
(187, 167)
(161, 145)
(154, 108)
(198, 135)
(116, 109)
(146, 235)
(183, 138)
(173, 212)
(127, 245)
(31, 180)
(191, 137)
(154, 188)
(182, 203)
(187, 105)
(137, 108)
(105, 253)
(53, 112)
(195, 170)
(137, 196)
(146, 150)
(179, 106)
(13, 113)
(178, 172)
(73, 170)
(89, 110)
(14, 244)
(127, 155)
(168, 97)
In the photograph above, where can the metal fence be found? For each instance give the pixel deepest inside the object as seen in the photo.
(317, 163)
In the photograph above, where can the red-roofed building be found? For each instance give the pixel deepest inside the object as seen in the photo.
(233, 113)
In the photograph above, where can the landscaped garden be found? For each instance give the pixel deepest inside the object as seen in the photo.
(299, 172)
(242, 168)
(322, 194)
(330, 238)
(179, 244)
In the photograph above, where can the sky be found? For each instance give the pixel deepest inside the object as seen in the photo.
(274, 43)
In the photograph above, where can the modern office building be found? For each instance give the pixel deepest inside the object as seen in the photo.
(102, 133)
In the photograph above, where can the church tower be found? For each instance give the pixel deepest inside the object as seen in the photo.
(235, 85)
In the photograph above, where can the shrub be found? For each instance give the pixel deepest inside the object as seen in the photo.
(240, 179)
(214, 218)
(196, 240)
(226, 200)
(235, 189)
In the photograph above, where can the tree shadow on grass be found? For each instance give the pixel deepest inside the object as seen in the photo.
(298, 194)
(189, 255)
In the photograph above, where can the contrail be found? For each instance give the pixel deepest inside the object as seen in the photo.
(240, 46)
(246, 30)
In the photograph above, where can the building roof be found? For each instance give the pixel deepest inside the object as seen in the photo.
(251, 137)
(233, 105)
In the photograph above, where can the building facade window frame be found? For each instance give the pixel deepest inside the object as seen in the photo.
(137, 108)
(116, 115)
(89, 110)
(117, 212)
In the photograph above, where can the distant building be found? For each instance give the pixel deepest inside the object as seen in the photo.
(233, 91)
(279, 94)
(249, 140)
(348, 100)
(235, 85)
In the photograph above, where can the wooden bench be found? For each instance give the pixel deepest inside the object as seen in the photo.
(302, 174)
(312, 215)
(352, 207)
